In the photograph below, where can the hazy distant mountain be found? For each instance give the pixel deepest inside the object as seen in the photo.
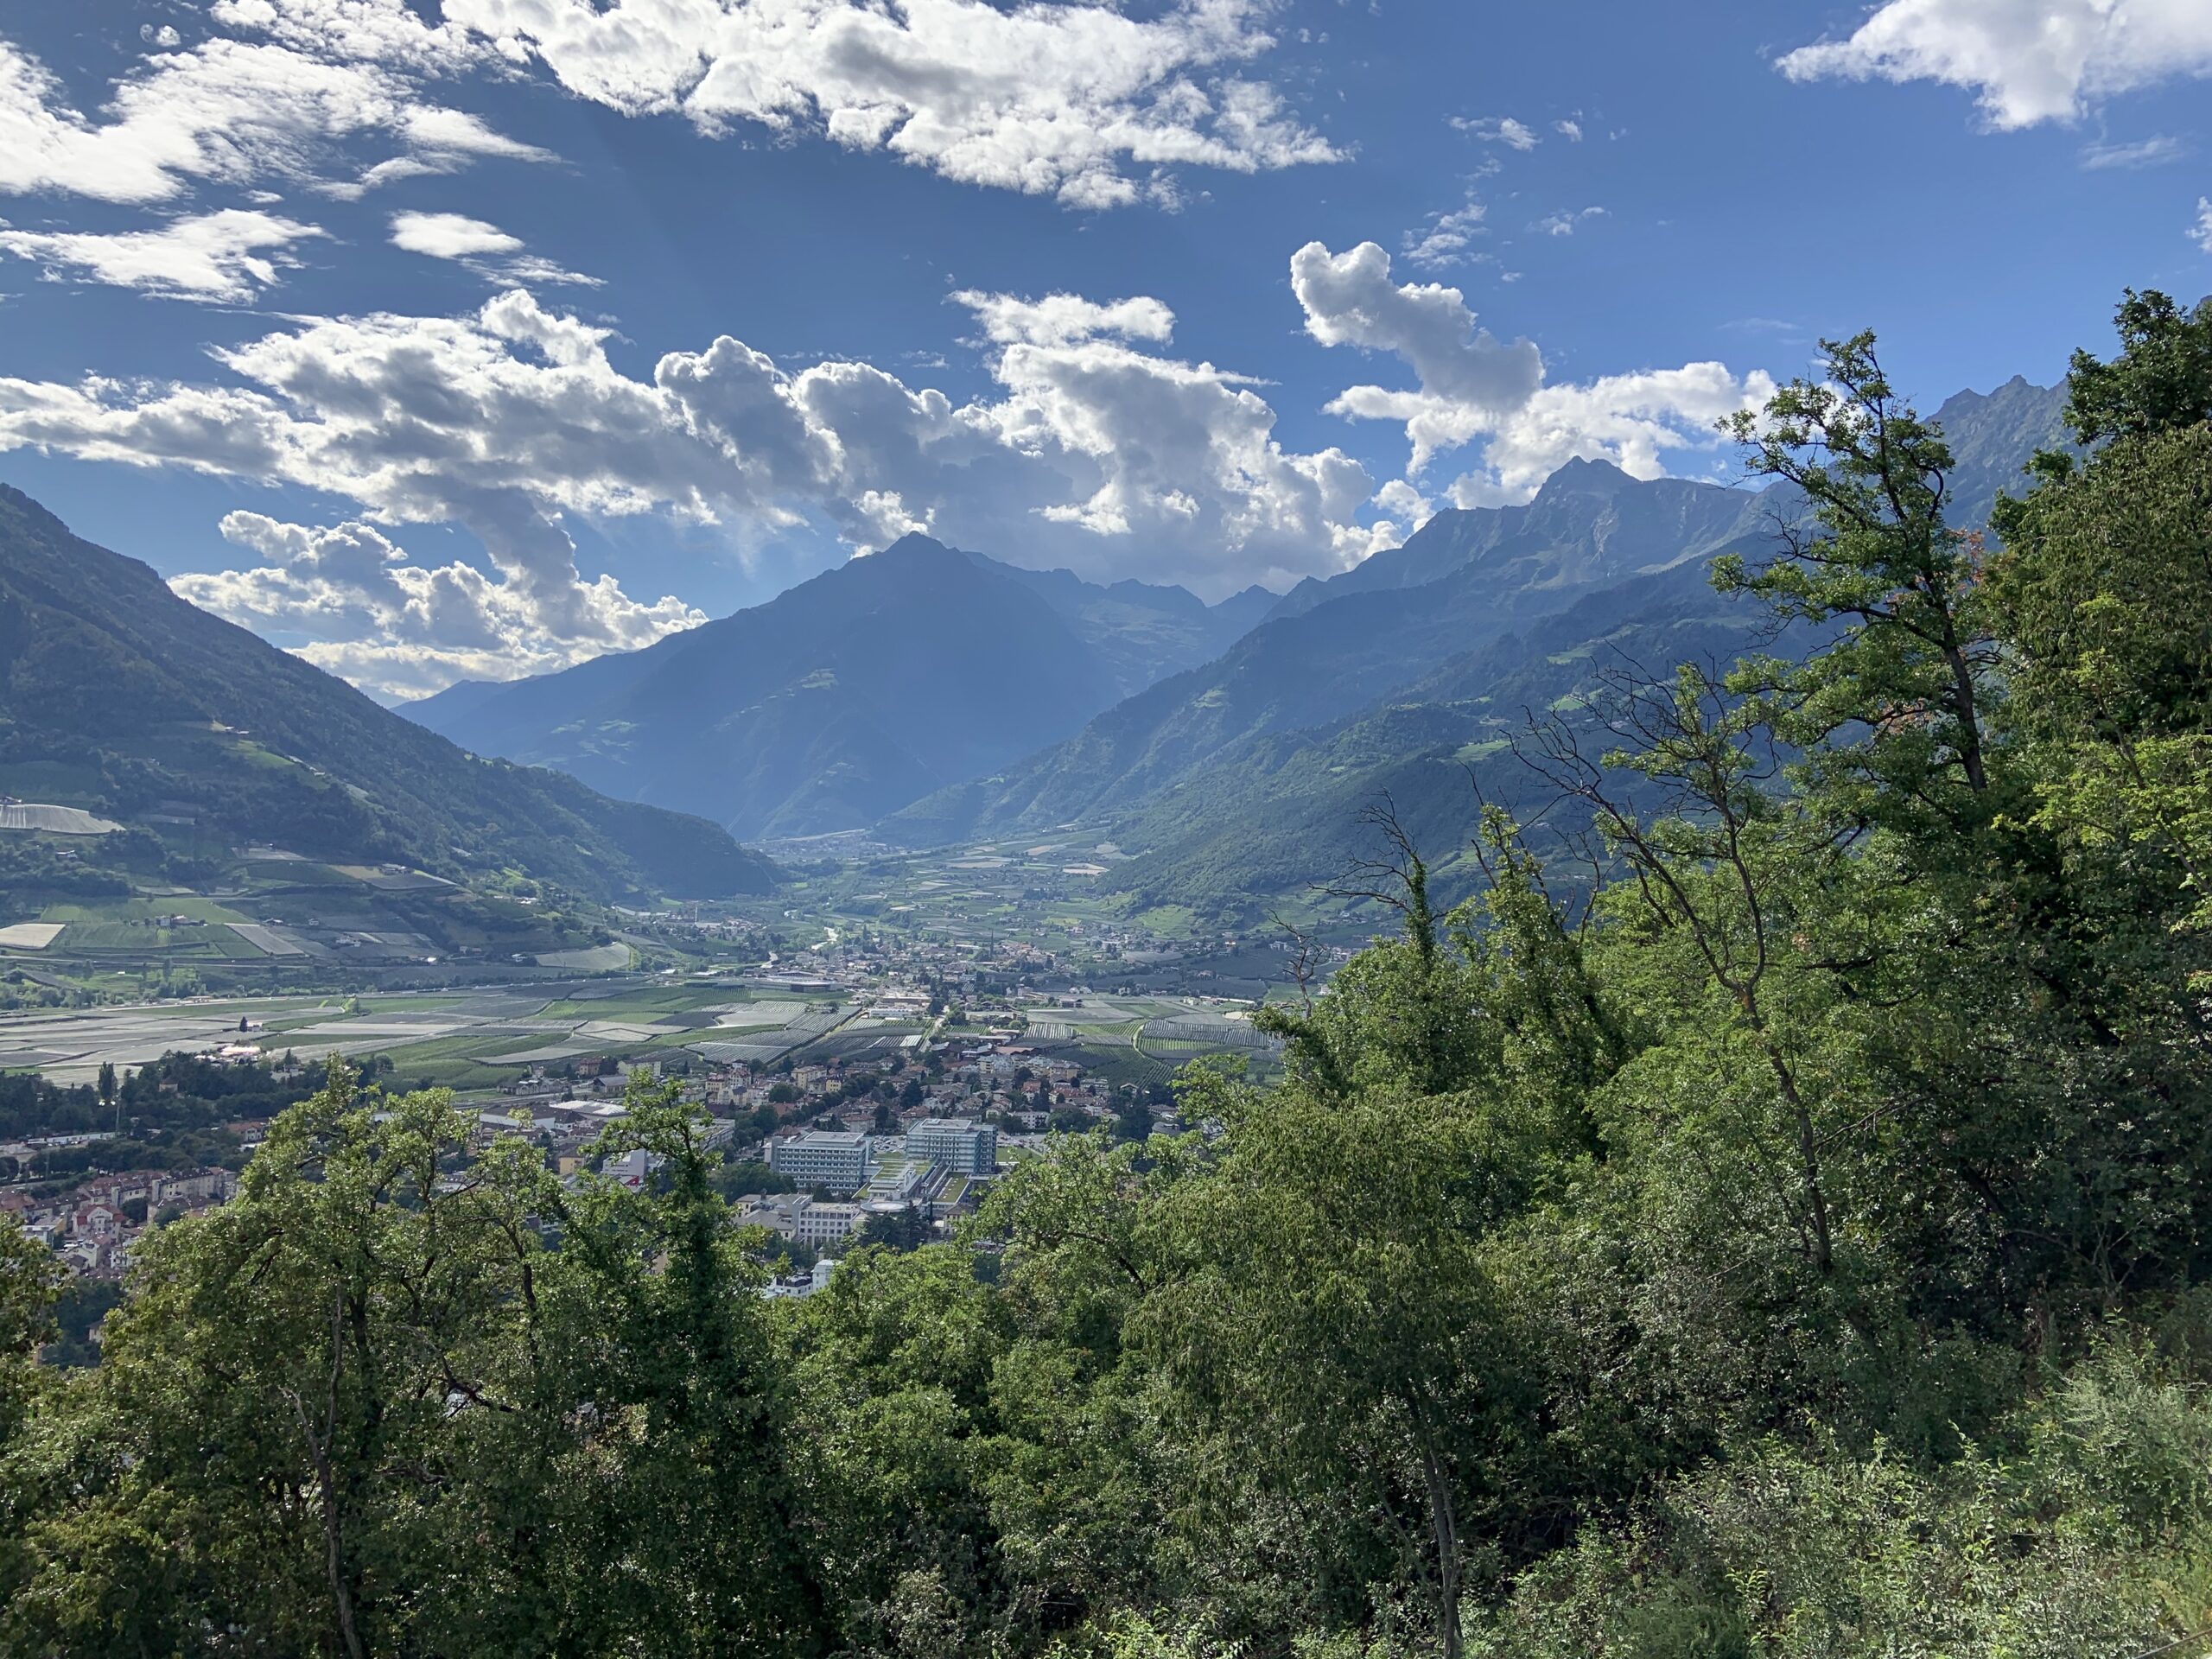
(847, 696)
(117, 694)
(1245, 776)
(1590, 527)
(1141, 631)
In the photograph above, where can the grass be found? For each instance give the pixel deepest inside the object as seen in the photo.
(1170, 921)
(59, 782)
(274, 877)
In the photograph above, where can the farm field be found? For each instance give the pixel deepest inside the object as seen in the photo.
(1144, 1040)
(470, 1039)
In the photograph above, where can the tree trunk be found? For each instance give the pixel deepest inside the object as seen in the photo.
(1808, 1157)
(1969, 718)
(319, 1449)
(1443, 1517)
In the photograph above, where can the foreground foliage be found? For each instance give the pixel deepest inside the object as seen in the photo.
(1795, 1243)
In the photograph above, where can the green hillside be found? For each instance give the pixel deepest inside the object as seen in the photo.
(1234, 839)
(119, 697)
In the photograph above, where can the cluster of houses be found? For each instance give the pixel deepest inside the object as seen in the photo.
(916, 1134)
(93, 1226)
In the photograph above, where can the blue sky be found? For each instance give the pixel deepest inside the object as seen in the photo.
(467, 339)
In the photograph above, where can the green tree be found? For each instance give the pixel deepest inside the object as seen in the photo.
(362, 1409)
(2161, 381)
(2105, 593)
(1891, 709)
(296, 1379)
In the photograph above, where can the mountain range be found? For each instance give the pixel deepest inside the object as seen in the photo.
(1407, 676)
(850, 696)
(119, 697)
(944, 697)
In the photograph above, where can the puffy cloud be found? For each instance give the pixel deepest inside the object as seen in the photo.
(1499, 130)
(402, 628)
(499, 421)
(227, 110)
(229, 255)
(1161, 455)
(366, 31)
(450, 236)
(1350, 300)
(1057, 96)
(1636, 421)
(1470, 385)
(1570, 131)
(1093, 452)
(1070, 99)
(2201, 233)
(1062, 319)
(2027, 60)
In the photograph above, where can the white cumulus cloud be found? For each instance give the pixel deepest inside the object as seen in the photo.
(450, 236)
(1468, 375)
(1094, 450)
(366, 31)
(403, 628)
(229, 255)
(2201, 233)
(1063, 319)
(1470, 385)
(2026, 61)
(1078, 100)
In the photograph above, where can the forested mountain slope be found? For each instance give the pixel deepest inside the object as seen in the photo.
(1288, 810)
(847, 696)
(140, 698)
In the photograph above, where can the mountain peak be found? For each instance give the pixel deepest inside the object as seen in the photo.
(1584, 476)
(913, 544)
